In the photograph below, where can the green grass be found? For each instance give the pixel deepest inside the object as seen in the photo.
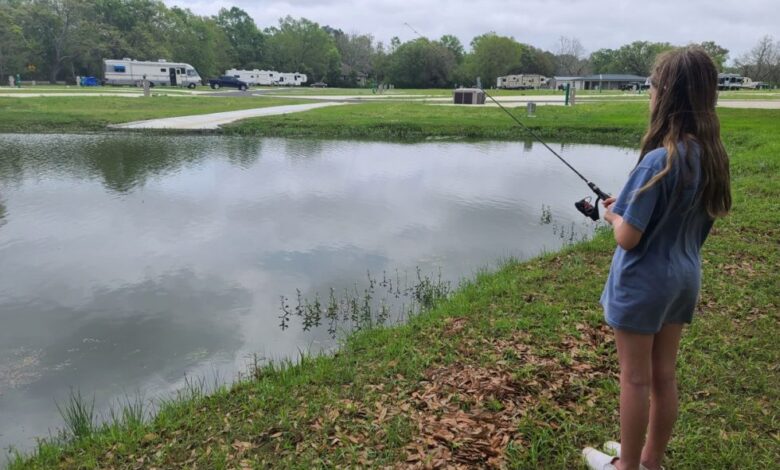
(94, 113)
(519, 357)
(580, 123)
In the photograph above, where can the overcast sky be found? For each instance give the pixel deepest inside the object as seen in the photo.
(735, 25)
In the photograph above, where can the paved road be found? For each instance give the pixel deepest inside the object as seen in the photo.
(755, 104)
(214, 120)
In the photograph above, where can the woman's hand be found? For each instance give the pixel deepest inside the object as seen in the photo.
(626, 235)
(609, 216)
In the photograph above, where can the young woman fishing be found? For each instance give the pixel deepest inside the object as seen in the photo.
(660, 220)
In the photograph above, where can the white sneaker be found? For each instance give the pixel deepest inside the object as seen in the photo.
(612, 448)
(597, 460)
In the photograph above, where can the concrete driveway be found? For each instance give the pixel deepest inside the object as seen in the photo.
(214, 120)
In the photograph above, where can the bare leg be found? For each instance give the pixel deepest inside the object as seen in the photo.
(663, 395)
(635, 353)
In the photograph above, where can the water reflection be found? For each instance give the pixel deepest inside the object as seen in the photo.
(137, 259)
(121, 161)
(2, 213)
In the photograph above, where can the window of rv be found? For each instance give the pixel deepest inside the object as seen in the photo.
(119, 68)
(191, 72)
(163, 70)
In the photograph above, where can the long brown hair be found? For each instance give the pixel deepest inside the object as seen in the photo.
(685, 83)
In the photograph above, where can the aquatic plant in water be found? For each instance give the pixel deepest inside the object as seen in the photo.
(359, 308)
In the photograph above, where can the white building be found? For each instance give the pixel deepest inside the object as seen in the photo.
(604, 81)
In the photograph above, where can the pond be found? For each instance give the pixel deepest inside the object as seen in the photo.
(132, 261)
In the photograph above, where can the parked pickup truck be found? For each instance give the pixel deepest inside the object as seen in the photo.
(229, 82)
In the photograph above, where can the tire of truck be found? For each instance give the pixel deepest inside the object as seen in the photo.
(191, 86)
(242, 88)
(215, 86)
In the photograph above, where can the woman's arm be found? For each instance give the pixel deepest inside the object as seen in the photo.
(626, 235)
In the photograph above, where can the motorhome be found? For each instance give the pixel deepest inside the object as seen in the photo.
(522, 81)
(268, 77)
(161, 72)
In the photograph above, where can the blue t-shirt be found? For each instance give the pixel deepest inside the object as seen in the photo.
(658, 281)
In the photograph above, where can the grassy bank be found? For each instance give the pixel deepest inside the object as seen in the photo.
(516, 368)
(94, 113)
(621, 122)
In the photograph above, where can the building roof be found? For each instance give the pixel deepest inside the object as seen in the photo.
(607, 77)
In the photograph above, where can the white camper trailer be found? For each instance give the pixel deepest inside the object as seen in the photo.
(291, 79)
(254, 77)
(267, 77)
(161, 72)
(521, 82)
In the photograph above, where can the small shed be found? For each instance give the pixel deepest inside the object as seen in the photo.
(468, 96)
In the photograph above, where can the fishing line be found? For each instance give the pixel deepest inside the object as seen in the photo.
(584, 205)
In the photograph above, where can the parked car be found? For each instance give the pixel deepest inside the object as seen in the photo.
(319, 84)
(229, 82)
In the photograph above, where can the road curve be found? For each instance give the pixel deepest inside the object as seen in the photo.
(214, 120)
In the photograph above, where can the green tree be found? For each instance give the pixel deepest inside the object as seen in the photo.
(604, 61)
(303, 46)
(492, 56)
(420, 64)
(57, 28)
(12, 43)
(454, 45)
(533, 60)
(639, 56)
(133, 28)
(246, 40)
(636, 58)
(718, 54)
(357, 53)
(198, 41)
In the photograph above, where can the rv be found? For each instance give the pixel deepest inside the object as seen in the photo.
(161, 72)
(521, 82)
(291, 79)
(253, 77)
(267, 77)
(733, 81)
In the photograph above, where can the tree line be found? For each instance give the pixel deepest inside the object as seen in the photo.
(60, 39)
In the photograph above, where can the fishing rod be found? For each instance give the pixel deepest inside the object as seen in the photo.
(584, 205)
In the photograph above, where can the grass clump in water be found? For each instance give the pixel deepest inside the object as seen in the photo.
(78, 414)
(362, 308)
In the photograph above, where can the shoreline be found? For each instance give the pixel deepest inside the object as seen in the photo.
(521, 353)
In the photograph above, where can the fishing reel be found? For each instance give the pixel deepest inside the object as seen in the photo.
(588, 210)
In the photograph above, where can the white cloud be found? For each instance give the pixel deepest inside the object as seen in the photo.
(734, 25)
